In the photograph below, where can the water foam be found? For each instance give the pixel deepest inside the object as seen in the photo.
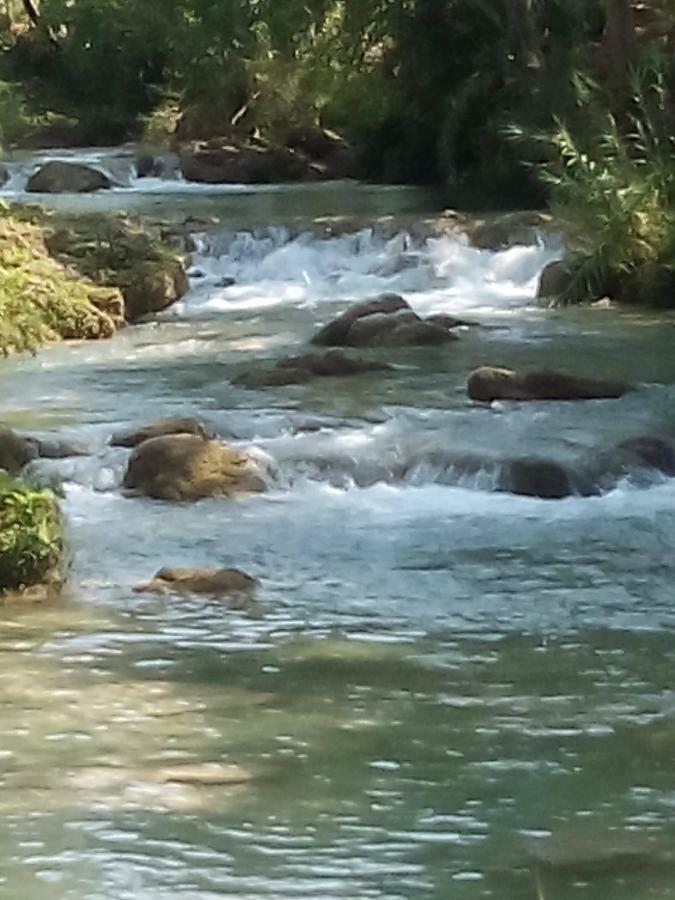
(252, 270)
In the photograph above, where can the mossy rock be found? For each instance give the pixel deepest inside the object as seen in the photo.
(31, 536)
(119, 251)
(40, 299)
(188, 467)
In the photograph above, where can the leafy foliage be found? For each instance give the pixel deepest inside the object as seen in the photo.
(31, 539)
(613, 183)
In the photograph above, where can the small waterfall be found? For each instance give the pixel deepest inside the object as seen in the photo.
(232, 270)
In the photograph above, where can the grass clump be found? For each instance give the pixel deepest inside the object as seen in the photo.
(31, 537)
(612, 182)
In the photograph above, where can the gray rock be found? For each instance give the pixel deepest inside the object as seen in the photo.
(66, 177)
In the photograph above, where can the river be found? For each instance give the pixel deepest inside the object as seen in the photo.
(442, 691)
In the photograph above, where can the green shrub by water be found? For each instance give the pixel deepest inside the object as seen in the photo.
(31, 541)
(612, 181)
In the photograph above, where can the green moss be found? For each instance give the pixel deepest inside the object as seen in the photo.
(31, 540)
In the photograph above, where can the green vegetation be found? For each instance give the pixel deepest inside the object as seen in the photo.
(424, 90)
(31, 541)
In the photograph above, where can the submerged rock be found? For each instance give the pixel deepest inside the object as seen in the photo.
(210, 774)
(58, 177)
(579, 853)
(532, 477)
(187, 467)
(48, 448)
(384, 321)
(299, 369)
(215, 582)
(159, 428)
(489, 383)
(15, 451)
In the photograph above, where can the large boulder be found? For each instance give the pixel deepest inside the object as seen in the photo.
(386, 320)
(15, 451)
(214, 582)
(159, 428)
(223, 162)
(58, 177)
(490, 383)
(299, 369)
(186, 467)
(153, 285)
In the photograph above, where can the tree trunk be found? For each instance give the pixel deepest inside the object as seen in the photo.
(619, 41)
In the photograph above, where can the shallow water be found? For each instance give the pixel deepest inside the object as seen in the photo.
(438, 688)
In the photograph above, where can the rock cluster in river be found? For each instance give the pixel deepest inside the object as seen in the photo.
(385, 321)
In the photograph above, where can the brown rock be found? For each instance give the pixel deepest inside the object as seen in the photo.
(335, 333)
(154, 285)
(386, 321)
(489, 383)
(159, 428)
(218, 162)
(415, 334)
(185, 467)
(198, 581)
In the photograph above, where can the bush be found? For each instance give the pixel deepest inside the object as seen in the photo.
(612, 183)
(31, 541)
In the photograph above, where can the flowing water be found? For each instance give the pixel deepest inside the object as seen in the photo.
(441, 691)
